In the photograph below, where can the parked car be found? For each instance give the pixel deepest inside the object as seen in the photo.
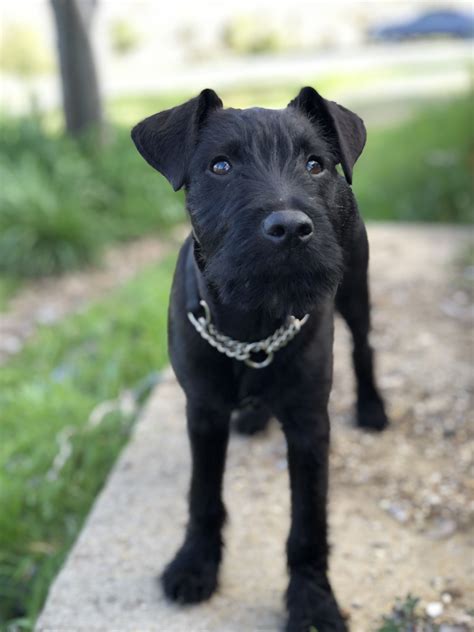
(448, 23)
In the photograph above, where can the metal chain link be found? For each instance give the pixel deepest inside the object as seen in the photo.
(244, 350)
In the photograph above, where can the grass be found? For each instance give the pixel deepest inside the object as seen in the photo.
(422, 169)
(62, 201)
(406, 617)
(419, 170)
(53, 461)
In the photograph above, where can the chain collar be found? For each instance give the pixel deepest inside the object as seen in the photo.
(243, 350)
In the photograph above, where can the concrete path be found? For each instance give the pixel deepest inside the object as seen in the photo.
(399, 502)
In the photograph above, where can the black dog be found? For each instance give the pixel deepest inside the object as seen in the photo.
(276, 235)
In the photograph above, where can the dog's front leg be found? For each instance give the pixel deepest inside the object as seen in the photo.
(310, 600)
(192, 575)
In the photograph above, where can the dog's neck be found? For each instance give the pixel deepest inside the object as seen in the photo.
(231, 320)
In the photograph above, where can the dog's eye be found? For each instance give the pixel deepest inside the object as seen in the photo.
(220, 166)
(314, 166)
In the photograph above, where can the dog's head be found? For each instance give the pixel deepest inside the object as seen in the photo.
(267, 205)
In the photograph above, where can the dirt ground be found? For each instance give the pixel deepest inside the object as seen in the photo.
(410, 491)
(401, 503)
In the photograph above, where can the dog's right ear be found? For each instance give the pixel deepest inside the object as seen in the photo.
(166, 140)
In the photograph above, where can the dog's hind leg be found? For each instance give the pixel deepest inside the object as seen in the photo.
(192, 575)
(353, 303)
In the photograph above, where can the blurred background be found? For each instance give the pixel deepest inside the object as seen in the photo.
(88, 232)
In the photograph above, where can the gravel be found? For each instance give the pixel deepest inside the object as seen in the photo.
(401, 503)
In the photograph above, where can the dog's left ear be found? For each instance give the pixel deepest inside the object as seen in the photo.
(347, 127)
(166, 140)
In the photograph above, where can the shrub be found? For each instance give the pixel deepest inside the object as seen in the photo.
(47, 229)
(61, 200)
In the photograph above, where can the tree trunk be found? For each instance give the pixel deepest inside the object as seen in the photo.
(81, 98)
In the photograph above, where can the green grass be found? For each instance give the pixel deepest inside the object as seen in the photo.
(422, 169)
(406, 616)
(418, 170)
(62, 201)
(46, 396)
(60, 204)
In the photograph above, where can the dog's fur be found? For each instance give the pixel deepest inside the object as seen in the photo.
(252, 285)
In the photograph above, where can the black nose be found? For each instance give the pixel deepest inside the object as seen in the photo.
(288, 227)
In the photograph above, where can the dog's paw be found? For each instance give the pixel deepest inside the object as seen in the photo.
(371, 414)
(192, 576)
(251, 419)
(312, 606)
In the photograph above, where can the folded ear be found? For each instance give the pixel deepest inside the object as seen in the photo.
(166, 140)
(348, 129)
